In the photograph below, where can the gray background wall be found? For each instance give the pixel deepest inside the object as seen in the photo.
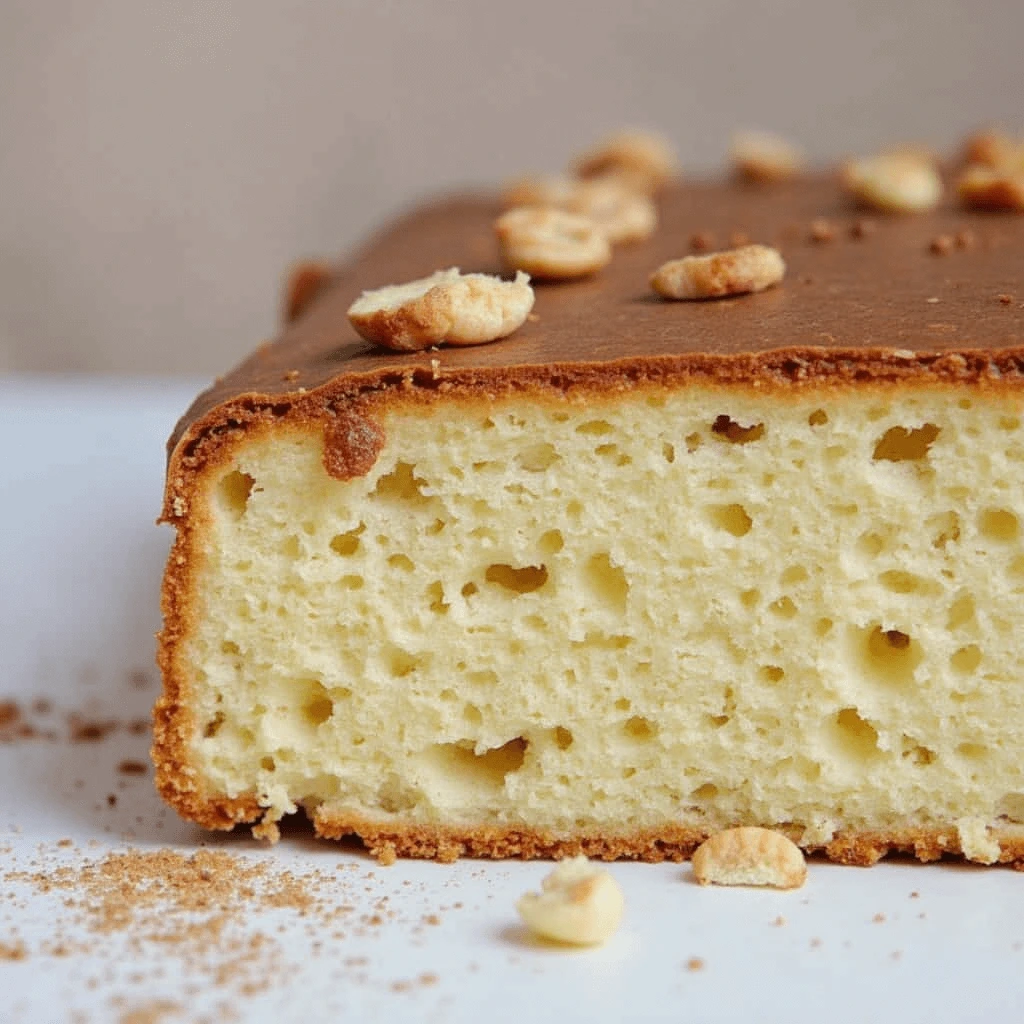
(162, 162)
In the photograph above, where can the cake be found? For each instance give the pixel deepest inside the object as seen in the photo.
(639, 572)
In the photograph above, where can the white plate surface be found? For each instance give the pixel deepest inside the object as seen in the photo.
(80, 564)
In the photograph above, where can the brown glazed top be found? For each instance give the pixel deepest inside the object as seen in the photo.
(859, 295)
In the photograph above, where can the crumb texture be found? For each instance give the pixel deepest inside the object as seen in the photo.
(702, 608)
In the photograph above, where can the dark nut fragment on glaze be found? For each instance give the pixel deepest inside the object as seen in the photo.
(352, 443)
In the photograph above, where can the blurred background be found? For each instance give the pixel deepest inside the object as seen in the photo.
(162, 162)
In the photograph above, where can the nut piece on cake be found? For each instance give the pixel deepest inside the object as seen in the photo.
(750, 268)
(895, 182)
(460, 309)
(579, 904)
(645, 160)
(763, 157)
(551, 243)
(750, 856)
(988, 188)
(622, 213)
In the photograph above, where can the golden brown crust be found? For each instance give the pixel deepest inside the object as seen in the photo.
(671, 842)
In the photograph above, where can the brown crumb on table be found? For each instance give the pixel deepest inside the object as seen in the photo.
(429, 978)
(862, 228)
(111, 799)
(42, 706)
(131, 767)
(386, 855)
(13, 951)
(155, 1012)
(65, 842)
(290, 375)
(1006, 300)
(779, 921)
(702, 241)
(821, 230)
(81, 730)
(964, 239)
(879, 918)
(431, 919)
(695, 963)
(896, 954)
(941, 245)
(915, 895)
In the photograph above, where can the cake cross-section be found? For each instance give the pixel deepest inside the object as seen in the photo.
(641, 571)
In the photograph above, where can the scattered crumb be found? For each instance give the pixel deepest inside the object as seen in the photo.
(65, 842)
(941, 245)
(964, 239)
(932, 300)
(915, 895)
(815, 943)
(13, 951)
(879, 918)
(862, 228)
(291, 375)
(429, 978)
(896, 954)
(130, 767)
(111, 799)
(822, 230)
(779, 922)
(42, 706)
(431, 919)
(702, 241)
(1005, 299)
(151, 1013)
(695, 963)
(386, 855)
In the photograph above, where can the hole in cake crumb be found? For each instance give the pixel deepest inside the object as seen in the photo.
(291, 547)
(484, 770)
(563, 738)
(794, 574)
(607, 581)
(750, 598)
(871, 543)
(623, 704)
(401, 484)
(708, 791)
(972, 751)
(483, 677)
(639, 728)
(998, 524)
(435, 527)
(771, 673)
(693, 442)
(472, 714)
(352, 582)
(818, 418)
(628, 773)
(574, 510)
(962, 612)
(727, 428)
(900, 582)
(435, 598)
(857, 737)
(234, 489)
(944, 528)
(401, 663)
(213, 725)
(596, 428)
(1009, 422)
(230, 648)
(538, 457)
(717, 721)
(614, 453)
(730, 518)
(519, 581)
(318, 706)
(917, 754)
(403, 562)
(783, 607)
(823, 627)
(890, 655)
(268, 764)
(347, 544)
(966, 659)
(1011, 806)
(551, 542)
(903, 444)
(469, 589)
(668, 452)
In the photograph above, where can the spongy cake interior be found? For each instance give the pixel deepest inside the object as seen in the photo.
(702, 606)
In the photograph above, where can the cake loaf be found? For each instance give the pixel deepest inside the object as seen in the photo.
(640, 571)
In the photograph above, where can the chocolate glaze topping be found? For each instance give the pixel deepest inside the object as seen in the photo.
(860, 294)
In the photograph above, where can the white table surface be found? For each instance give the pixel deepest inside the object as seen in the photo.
(80, 564)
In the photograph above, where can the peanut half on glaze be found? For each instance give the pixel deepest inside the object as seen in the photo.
(447, 307)
(750, 268)
(551, 243)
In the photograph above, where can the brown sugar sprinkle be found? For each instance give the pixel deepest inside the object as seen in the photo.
(130, 767)
(702, 241)
(862, 228)
(821, 230)
(941, 245)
